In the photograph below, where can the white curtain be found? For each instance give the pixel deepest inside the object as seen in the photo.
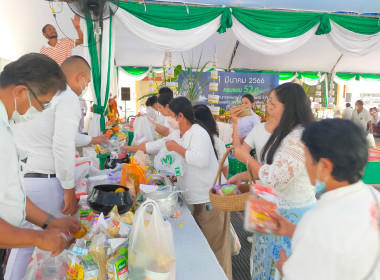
(314, 82)
(107, 64)
(267, 45)
(165, 38)
(351, 43)
(340, 81)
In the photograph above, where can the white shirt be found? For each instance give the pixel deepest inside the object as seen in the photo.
(287, 174)
(49, 139)
(347, 113)
(246, 124)
(202, 165)
(257, 139)
(338, 239)
(12, 196)
(221, 149)
(362, 118)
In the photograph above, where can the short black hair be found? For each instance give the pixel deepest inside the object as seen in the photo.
(44, 28)
(360, 102)
(165, 90)
(249, 97)
(348, 105)
(151, 101)
(343, 143)
(75, 58)
(164, 96)
(37, 71)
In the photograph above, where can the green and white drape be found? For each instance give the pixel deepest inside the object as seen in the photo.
(102, 68)
(269, 32)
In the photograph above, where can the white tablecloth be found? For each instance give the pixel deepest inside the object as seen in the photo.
(194, 257)
(225, 132)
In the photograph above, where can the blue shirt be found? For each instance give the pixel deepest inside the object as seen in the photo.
(246, 124)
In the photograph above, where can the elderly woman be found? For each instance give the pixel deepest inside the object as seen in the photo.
(281, 166)
(339, 238)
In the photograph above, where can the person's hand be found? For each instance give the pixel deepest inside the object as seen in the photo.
(235, 112)
(281, 261)
(76, 21)
(172, 145)
(126, 148)
(282, 226)
(71, 202)
(140, 115)
(51, 240)
(236, 179)
(241, 154)
(67, 225)
(99, 139)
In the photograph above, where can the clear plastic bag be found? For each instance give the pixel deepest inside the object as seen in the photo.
(144, 130)
(235, 242)
(151, 252)
(170, 163)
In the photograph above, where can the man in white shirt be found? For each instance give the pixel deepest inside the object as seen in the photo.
(362, 117)
(49, 142)
(347, 112)
(26, 87)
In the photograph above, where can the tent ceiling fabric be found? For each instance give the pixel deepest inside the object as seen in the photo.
(367, 6)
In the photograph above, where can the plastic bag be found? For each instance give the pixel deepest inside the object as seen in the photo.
(82, 170)
(371, 140)
(144, 130)
(45, 267)
(235, 242)
(151, 248)
(170, 163)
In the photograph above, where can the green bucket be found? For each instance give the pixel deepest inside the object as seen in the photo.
(102, 160)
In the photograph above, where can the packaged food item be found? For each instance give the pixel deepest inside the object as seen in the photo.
(98, 250)
(80, 234)
(226, 189)
(117, 266)
(90, 268)
(260, 205)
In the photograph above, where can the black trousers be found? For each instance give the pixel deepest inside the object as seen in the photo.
(2, 256)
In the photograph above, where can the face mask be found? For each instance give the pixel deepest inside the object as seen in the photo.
(319, 185)
(84, 90)
(173, 122)
(356, 107)
(30, 114)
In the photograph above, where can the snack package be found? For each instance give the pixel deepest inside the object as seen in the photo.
(259, 206)
(82, 169)
(226, 189)
(98, 250)
(117, 266)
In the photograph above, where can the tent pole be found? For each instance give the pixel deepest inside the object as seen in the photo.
(233, 55)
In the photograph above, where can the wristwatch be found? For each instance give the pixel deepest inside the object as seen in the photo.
(49, 218)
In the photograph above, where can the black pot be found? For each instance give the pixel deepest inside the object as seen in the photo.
(111, 163)
(103, 198)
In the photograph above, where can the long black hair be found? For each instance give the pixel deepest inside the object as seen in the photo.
(297, 111)
(343, 143)
(183, 105)
(203, 114)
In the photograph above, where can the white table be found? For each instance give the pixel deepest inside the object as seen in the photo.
(194, 258)
(225, 132)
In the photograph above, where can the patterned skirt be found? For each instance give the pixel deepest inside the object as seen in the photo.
(266, 247)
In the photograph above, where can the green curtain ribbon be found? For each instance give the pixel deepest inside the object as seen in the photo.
(135, 71)
(324, 25)
(225, 21)
(174, 16)
(104, 107)
(275, 24)
(361, 25)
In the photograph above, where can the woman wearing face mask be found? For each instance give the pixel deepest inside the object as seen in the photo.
(195, 144)
(283, 168)
(245, 125)
(340, 237)
(152, 108)
(164, 125)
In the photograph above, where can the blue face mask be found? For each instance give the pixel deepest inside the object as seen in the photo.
(319, 186)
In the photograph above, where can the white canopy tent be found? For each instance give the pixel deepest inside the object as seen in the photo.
(21, 22)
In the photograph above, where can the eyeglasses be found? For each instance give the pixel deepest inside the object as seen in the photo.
(43, 106)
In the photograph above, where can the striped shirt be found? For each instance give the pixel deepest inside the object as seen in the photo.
(61, 51)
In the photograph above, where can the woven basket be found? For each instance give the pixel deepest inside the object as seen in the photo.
(230, 203)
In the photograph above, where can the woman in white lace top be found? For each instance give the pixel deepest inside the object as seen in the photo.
(283, 168)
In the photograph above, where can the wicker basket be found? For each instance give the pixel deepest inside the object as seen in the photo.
(230, 203)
